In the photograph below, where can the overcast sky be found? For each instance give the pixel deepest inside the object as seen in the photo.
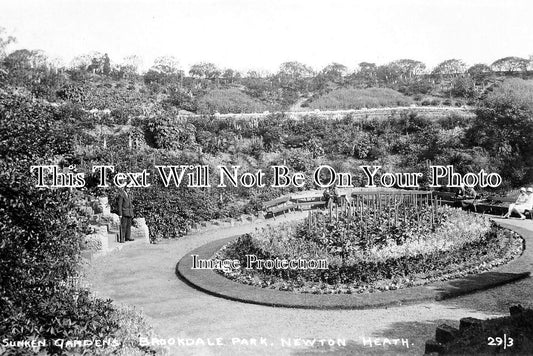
(253, 34)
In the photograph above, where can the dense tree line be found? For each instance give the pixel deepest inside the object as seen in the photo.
(293, 83)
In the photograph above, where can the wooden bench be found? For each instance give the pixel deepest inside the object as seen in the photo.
(275, 202)
(278, 205)
(310, 204)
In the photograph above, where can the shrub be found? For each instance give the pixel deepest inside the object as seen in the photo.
(226, 101)
(41, 233)
(169, 134)
(72, 93)
(503, 126)
(345, 99)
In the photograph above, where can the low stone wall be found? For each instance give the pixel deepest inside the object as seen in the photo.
(210, 225)
(106, 226)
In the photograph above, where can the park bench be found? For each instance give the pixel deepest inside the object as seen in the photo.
(278, 205)
(307, 205)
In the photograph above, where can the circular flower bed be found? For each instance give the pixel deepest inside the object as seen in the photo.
(373, 254)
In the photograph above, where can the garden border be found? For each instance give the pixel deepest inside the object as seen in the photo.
(215, 284)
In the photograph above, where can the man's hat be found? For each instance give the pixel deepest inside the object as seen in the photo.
(530, 190)
(522, 189)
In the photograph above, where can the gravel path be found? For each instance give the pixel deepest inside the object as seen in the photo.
(144, 276)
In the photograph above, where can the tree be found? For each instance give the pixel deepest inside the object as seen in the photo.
(231, 75)
(19, 59)
(409, 68)
(294, 78)
(387, 74)
(402, 70)
(34, 71)
(164, 72)
(130, 66)
(106, 65)
(5, 40)
(334, 72)
(292, 71)
(90, 62)
(367, 74)
(449, 68)
(167, 65)
(510, 64)
(255, 74)
(479, 73)
(205, 70)
(464, 87)
(447, 72)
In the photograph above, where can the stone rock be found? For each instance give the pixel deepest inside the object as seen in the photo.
(433, 347)
(468, 323)
(107, 217)
(103, 203)
(247, 218)
(112, 221)
(445, 333)
(101, 229)
(516, 310)
(102, 238)
(140, 231)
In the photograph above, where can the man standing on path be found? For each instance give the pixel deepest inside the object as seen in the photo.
(125, 211)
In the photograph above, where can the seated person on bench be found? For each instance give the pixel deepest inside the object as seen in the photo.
(467, 195)
(523, 202)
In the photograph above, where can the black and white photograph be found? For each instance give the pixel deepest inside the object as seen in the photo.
(253, 177)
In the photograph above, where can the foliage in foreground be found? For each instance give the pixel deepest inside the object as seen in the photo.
(41, 237)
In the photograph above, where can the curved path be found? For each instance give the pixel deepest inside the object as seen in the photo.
(144, 276)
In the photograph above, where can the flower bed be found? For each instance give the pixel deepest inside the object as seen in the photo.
(384, 257)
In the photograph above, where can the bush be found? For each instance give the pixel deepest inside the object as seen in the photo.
(345, 99)
(42, 236)
(226, 101)
(503, 126)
